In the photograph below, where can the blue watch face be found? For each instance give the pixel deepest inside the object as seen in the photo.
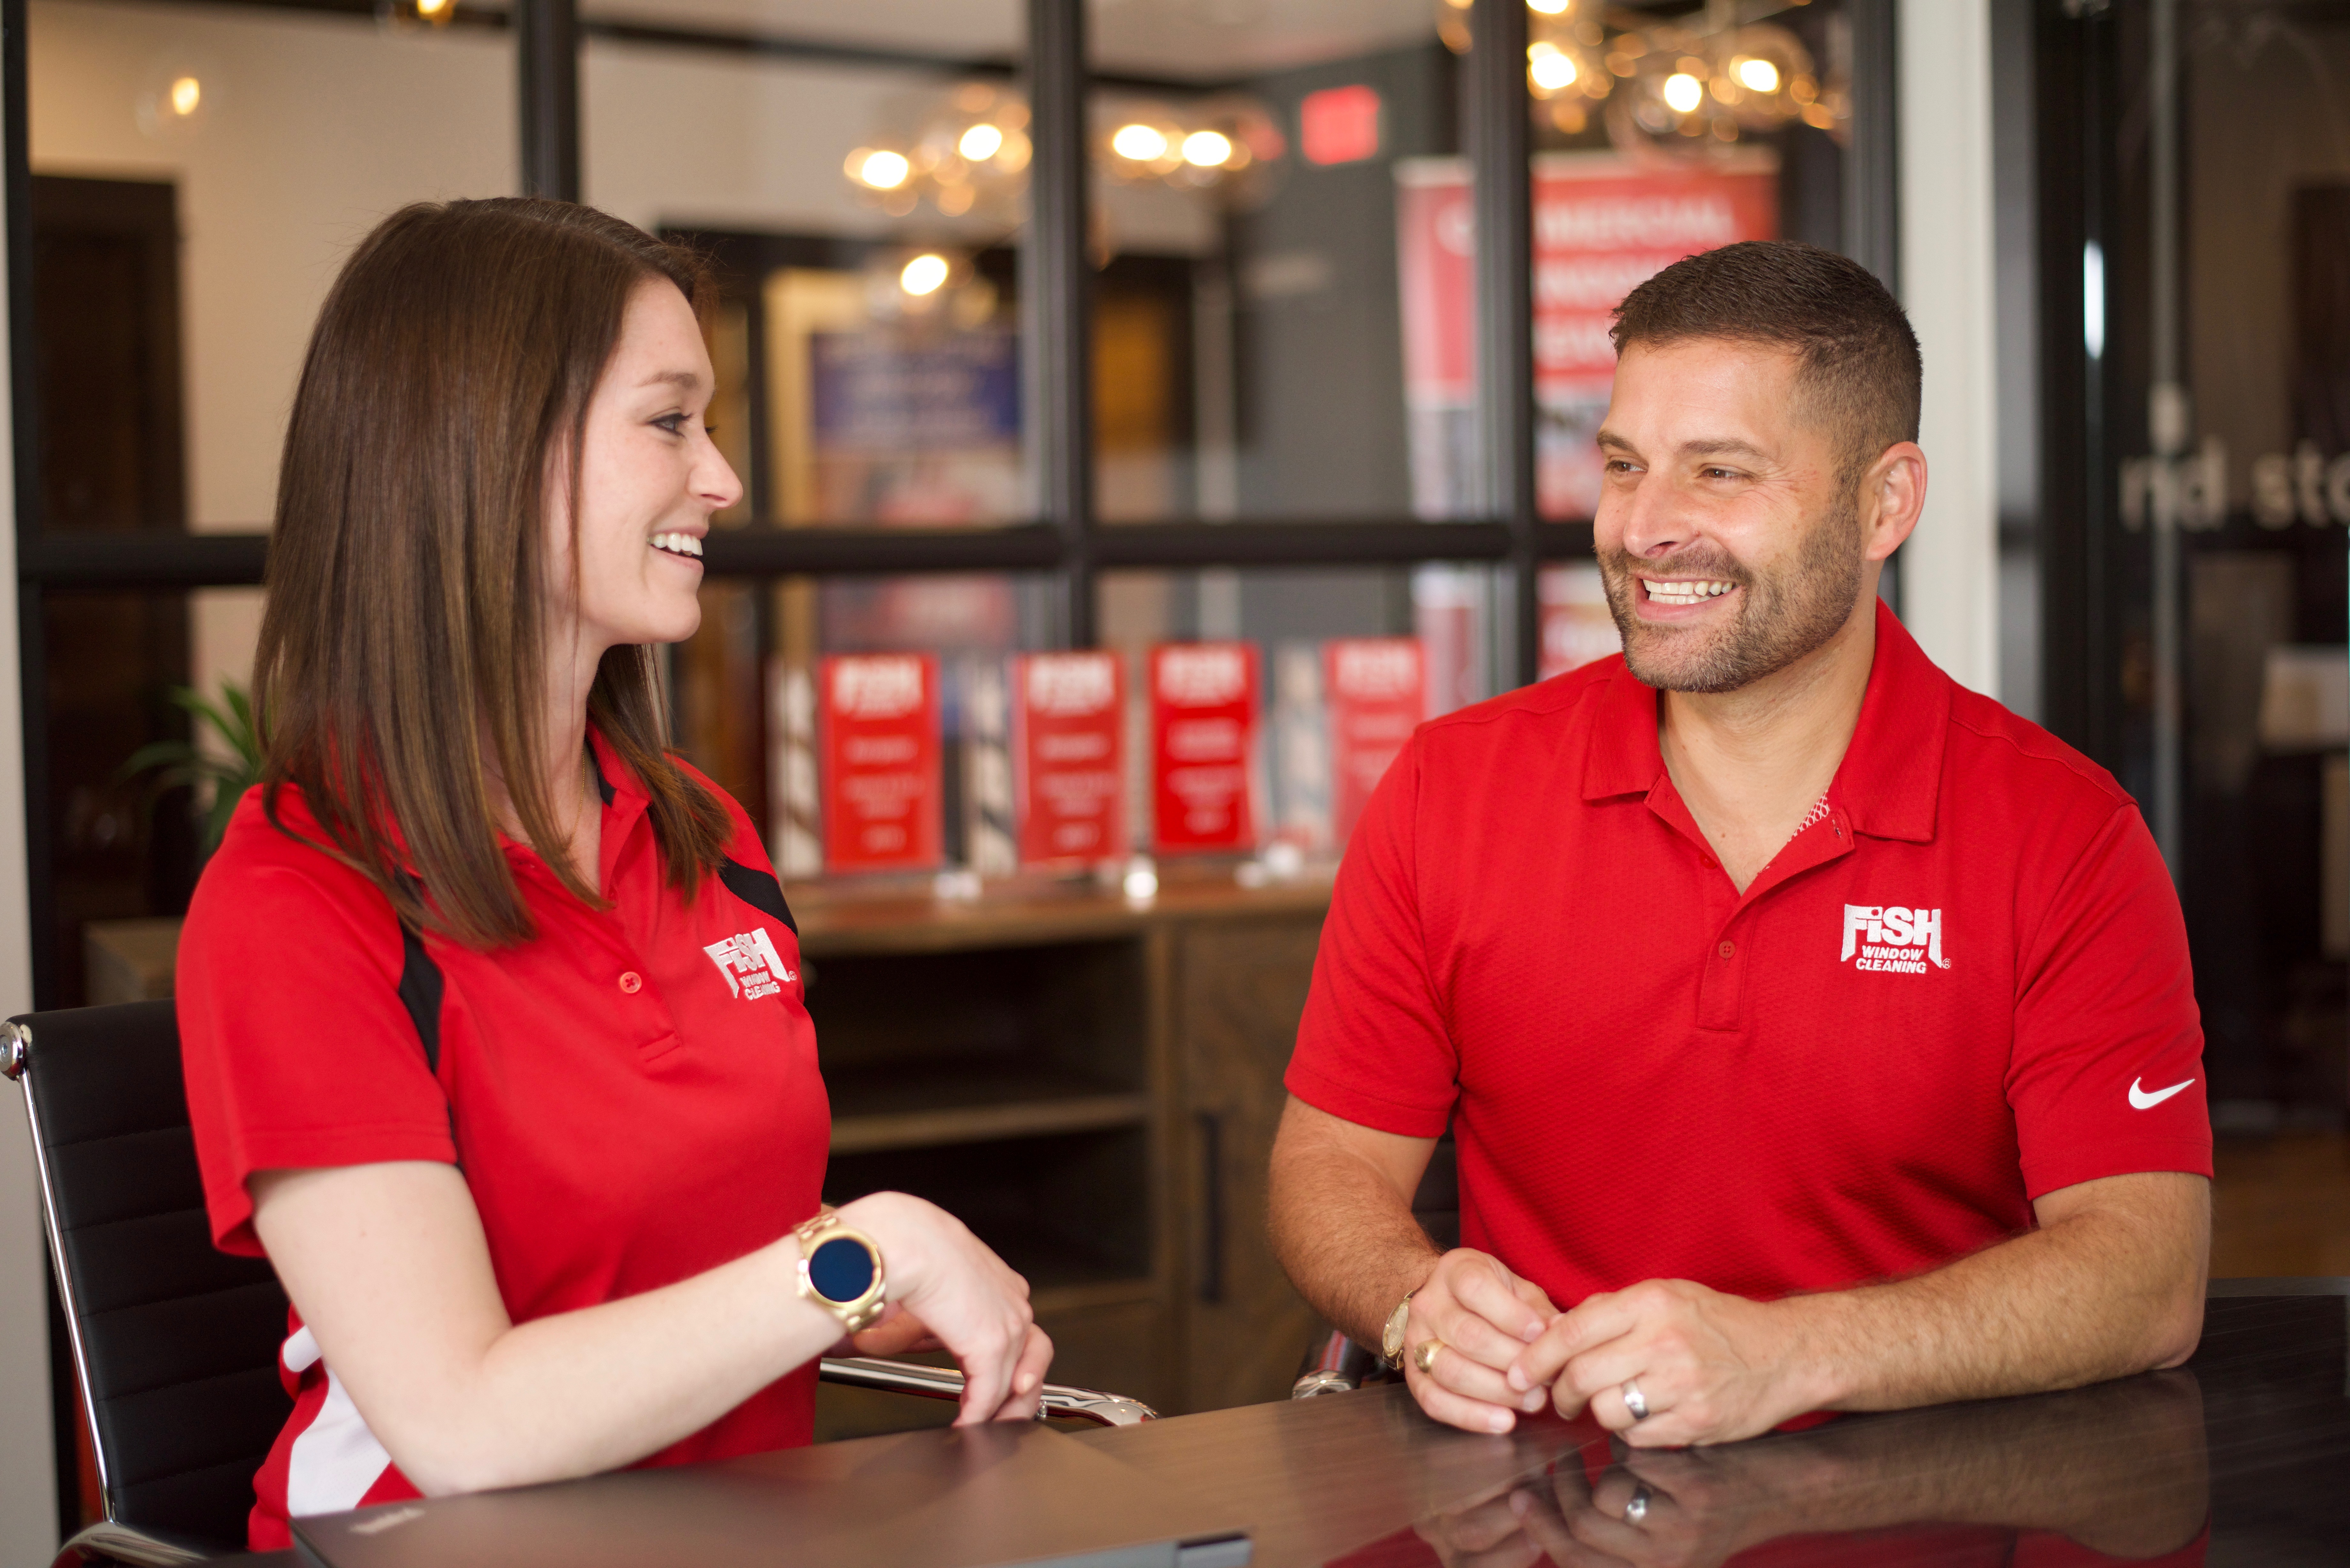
(840, 1270)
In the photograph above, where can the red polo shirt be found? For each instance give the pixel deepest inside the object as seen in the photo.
(1964, 983)
(632, 1095)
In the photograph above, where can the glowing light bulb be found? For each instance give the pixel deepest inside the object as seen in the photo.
(186, 95)
(435, 10)
(980, 142)
(924, 274)
(1682, 93)
(1757, 76)
(1549, 7)
(1139, 143)
(1549, 69)
(882, 171)
(1207, 149)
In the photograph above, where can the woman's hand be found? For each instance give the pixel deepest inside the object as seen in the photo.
(946, 1278)
(898, 1332)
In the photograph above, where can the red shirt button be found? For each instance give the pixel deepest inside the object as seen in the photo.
(1726, 950)
(1709, 862)
(633, 982)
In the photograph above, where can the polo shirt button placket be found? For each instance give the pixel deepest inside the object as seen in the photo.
(1720, 987)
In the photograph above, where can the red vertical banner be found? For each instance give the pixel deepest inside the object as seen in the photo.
(1602, 226)
(1377, 690)
(1203, 717)
(1068, 755)
(881, 784)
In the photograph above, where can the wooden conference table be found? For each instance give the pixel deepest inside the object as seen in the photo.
(2241, 1457)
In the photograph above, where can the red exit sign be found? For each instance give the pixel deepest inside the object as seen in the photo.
(1339, 125)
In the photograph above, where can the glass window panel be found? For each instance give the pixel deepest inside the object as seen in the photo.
(868, 345)
(1248, 342)
(2225, 491)
(1658, 132)
(125, 831)
(273, 139)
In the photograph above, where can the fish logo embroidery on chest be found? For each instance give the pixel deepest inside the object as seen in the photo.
(751, 965)
(1892, 938)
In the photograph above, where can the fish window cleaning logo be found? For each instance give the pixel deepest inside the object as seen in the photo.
(1892, 938)
(751, 964)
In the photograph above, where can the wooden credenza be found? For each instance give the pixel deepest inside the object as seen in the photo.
(1092, 1086)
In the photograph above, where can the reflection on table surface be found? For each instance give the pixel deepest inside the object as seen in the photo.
(2119, 1473)
(2240, 1459)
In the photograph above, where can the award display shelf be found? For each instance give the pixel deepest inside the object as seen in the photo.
(1092, 1085)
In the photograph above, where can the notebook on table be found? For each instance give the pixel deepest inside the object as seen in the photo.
(976, 1497)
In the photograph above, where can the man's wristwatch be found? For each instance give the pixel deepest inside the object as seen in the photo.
(840, 1270)
(1391, 1341)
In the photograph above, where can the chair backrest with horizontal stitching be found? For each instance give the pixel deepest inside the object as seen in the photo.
(176, 1341)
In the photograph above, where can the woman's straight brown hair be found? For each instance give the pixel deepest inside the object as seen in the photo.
(401, 662)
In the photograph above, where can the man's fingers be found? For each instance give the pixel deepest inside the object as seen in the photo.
(1486, 1288)
(1597, 1321)
(1476, 1336)
(1457, 1409)
(1472, 1379)
(1611, 1366)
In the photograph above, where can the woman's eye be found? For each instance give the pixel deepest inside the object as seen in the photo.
(674, 423)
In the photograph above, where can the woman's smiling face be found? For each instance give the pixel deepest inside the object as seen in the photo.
(650, 480)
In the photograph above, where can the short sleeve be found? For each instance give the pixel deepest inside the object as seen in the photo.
(1373, 1047)
(2106, 1073)
(298, 1048)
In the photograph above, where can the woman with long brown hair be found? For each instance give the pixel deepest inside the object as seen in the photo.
(490, 1006)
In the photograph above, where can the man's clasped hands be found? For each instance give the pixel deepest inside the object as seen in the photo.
(1665, 1362)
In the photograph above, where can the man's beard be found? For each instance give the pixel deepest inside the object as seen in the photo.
(1782, 616)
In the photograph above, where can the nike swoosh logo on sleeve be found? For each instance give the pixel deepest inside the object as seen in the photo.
(2142, 1101)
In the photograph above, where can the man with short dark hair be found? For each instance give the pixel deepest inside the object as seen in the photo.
(1815, 1032)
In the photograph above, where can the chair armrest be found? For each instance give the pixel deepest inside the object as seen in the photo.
(1337, 1364)
(107, 1542)
(946, 1383)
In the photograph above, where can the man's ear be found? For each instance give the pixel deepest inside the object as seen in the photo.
(1892, 497)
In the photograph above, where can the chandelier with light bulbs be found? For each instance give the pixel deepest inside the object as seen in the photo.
(1686, 88)
(968, 154)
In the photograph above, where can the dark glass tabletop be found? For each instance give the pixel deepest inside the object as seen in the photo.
(2240, 1457)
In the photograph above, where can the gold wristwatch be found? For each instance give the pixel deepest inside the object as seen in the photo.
(840, 1270)
(1391, 1341)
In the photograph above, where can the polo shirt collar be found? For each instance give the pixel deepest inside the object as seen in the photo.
(1889, 783)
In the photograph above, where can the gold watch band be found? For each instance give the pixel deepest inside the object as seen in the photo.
(825, 1283)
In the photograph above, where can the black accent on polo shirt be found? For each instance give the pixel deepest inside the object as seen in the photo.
(420, 993)
(603, 784)
(759, 889)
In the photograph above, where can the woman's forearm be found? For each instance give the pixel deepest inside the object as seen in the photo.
(389, 1270)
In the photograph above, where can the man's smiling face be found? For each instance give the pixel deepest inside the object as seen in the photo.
(1729, 535)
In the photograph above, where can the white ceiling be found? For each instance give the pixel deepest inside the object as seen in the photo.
(1202, 39)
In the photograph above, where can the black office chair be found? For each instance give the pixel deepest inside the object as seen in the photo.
(174, 1343)
(1334, 1363)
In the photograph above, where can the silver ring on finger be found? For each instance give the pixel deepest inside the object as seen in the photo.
(1636, 1511)
(1634, 1401)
